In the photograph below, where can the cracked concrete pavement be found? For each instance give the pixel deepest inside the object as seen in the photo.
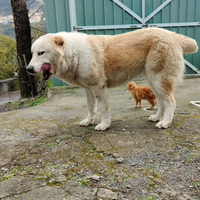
(45, 154)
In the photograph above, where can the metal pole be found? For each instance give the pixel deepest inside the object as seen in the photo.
(72, 12)
(143, 12)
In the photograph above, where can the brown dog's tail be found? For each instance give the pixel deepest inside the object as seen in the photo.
(189, 45)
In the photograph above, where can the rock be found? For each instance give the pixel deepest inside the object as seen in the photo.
(4, 163)
(168, 192)
(115, 155)
(80, 192)
(17, 185)
(21, 103)
(120, 160)
(54, 193)
(184, 197)
(43, 184)
(27, 161)
(95, 177)
(4, 169)
(61, 178)
(105, 193)
(158, 180)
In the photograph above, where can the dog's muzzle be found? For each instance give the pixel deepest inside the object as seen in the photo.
(31, 70)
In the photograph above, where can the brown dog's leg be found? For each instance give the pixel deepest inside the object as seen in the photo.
(140, 103)
(136, 103)
(152, 105)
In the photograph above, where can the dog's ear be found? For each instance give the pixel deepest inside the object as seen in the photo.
(129, 86)
(133, 84)
(59, 40)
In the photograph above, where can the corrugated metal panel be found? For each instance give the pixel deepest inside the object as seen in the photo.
(57, 19)
(57, 15)
(106, 12)
(179, 11)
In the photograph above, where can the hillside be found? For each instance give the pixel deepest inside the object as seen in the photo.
(5, 7)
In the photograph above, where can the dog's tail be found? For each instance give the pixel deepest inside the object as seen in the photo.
(189, 45)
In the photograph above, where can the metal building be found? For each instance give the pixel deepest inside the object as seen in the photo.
(119, 16)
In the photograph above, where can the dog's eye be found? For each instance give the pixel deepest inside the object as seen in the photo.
(41, 53)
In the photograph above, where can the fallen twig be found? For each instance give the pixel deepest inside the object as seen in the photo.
(107, 187)
(186, 183)
(174, 171)
(187, 193)
(138, 184)
(195, 185)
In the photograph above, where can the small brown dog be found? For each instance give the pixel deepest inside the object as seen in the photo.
(142, 92)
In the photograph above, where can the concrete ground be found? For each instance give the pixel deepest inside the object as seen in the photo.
(9, 97)
(45, 154)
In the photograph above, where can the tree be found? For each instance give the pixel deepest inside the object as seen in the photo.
(23, 39)
(8, 57)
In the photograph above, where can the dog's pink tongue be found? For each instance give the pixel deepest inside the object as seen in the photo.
(46, 67)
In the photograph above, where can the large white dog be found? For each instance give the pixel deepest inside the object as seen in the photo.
(98, 62)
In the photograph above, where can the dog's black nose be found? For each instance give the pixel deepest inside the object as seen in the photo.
(31, 70)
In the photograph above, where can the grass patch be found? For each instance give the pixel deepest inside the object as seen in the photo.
(8, 176)
(37, 101)
(51, 144)
(23, 103)
(83, 181)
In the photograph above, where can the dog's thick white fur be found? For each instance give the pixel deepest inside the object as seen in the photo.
(98, 62)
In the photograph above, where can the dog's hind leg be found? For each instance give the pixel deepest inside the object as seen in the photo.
(152, 104)
(166, 102)
(101, 95)
(91, 103)
(164, 68)
(160, 112)
(170, 105)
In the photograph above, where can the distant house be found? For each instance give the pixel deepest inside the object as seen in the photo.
(11, 21)
(5, 22)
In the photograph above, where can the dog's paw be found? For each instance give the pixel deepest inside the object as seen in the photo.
(86, 122)
(153, 118)
(102, 127)
(161, 124)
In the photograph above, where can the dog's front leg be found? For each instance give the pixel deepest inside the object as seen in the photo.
(91, 103)
(101, 95)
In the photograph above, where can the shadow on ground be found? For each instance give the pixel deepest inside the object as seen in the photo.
(45, 154)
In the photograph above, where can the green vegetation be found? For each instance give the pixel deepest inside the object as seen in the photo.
(8, 176)
(71, 177)
(147, 198)
(8, 57)
(197, 183)
(51, 144)
(37, 31)
(27, 103)
(83, 181)
(8, 30)
(37, 101)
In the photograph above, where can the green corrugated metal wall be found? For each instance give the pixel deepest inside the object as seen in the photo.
(106, 12)
(57, 19)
